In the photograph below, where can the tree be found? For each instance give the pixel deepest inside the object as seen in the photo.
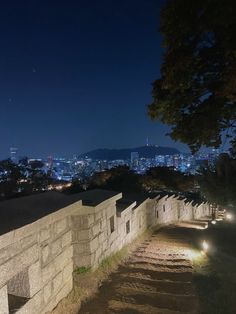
(218, 183)
(157, 178)
(37, 177)
(117, 179)
(11, 176)
(196, 93)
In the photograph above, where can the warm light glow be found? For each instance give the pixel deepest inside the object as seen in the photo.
(213, 222)
(229, 216)
(205, 246)
(194, 254)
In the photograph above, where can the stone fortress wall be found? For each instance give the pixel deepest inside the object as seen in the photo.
(37, 260)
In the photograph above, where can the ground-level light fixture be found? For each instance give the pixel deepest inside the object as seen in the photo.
(229, 216)
(205, 246)
(213, 222)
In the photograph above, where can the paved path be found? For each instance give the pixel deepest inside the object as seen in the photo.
(157, 278)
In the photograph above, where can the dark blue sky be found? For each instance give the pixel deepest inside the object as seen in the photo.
(76, 75)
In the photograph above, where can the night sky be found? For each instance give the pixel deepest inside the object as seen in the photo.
(76, 75)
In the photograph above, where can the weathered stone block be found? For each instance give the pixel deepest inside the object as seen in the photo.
(47, 292)
(56, 247)
(96, 229)
(58, 297)
(94, 244)
(45, 254)
(68, 272)
(79, 222)
(35, 278)
(19, 284)
(44, 234)
(18, 263)
(48, 272)
(57, 282)
(28, 241)
(66, 239)
(4, 301)
(85, 260)
(81, 235)
(91, 219)
(82, 248)
(34, 305)
(60, 226)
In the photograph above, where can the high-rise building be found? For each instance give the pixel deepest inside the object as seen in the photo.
(13, 154)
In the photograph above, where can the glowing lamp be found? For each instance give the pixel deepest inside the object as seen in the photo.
(229, 216)
(205, 246)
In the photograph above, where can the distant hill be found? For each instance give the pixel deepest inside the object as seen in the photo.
(144, 151)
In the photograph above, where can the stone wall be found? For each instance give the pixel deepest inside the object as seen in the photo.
(36, 264)
(37, 260)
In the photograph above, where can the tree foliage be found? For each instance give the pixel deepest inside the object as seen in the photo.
(22, 179)
(196, 93)
(158, 178)
(10, 178)
(167, 179)
(117, 179)
(218, 183)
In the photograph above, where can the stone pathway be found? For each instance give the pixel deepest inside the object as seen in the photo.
(157, 278)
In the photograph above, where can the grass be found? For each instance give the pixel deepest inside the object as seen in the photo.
(110, 263)
(215, 274)
(82, 270)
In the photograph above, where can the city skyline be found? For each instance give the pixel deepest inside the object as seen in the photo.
(71, 84)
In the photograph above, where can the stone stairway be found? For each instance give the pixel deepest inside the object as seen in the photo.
(157, 278)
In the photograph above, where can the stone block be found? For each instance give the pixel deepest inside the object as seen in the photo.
(57, 282)
(35, 278)
(28, 241)
(68, 272)
(81, 235)
(56, 247)
(101, 238)
(60, 226)
(48, 272)
(82, 248)
(79, 222)
(47, 292)
(91, 219)
(66, 239)
(19, 284)
(45, 254)
(4, 301)
(58, 297)
(82, 260)
(44, 234)
(94, 244)
(98, 254)
(34, 305)
(96, 230)
(98, 216)
(18, 263)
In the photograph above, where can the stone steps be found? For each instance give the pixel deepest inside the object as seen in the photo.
(121, 307)
(159, 300)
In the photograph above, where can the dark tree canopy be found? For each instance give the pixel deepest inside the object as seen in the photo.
(196, 93)
(167, 179)
(218, 183)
